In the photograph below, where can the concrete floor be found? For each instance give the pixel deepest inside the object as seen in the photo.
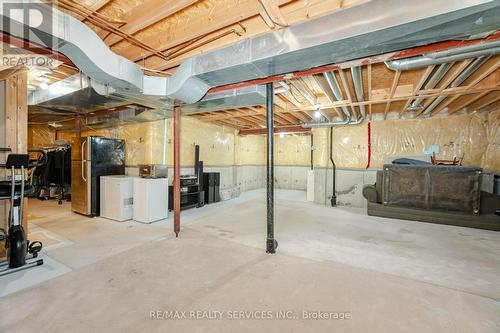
(384, 275)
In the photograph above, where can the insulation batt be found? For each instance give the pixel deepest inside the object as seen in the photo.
(472, 135)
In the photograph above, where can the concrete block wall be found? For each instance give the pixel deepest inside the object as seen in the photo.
(290, 177)
(349, 186)
(350, 182)
(241, 178)
(228, 188)
(250, 177)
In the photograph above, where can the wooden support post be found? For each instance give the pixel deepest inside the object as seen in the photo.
(177, 170)
(16, 119)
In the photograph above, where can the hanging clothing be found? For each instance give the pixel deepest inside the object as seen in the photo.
(56, 172)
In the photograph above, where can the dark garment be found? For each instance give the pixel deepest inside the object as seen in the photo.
(57, 170)
(410, 161)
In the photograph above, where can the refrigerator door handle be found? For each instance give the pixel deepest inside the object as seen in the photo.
(83, 161)
(82, 150)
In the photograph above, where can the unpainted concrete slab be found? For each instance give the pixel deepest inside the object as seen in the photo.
(388, 275)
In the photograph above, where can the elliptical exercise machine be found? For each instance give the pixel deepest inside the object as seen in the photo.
(21, 254)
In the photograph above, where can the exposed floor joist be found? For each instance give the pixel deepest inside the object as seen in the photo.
(175, 30)
(392, 93)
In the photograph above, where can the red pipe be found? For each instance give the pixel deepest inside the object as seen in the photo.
(276, 78)
(369, 144)
(177, 170)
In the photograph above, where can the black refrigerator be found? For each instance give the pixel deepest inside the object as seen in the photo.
(91, 158)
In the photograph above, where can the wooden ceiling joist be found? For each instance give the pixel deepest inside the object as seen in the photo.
(271, 14)
(369, 84)
(480, 74)
(148, 13)
(95, 7)
(417, 88)
(347, 91)
(483, 102)
(281, 120)
(171, 31)
(289, 111)
(228, 123)
(395, 82)
(304, 91)
(288, 117)
(464, 102)
(300, 116)
(193, 27)
(452, 74)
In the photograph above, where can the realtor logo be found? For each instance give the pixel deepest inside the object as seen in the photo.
(28, 26)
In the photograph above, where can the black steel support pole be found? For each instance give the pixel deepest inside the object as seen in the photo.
(271, 243)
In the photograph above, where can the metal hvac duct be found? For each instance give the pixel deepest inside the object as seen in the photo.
(445, 56)
(358, 88)
(465, 49)
(458, 81)
(79, 95)
(432, 82)
(346, 121)
(356, 32)
(334, 86)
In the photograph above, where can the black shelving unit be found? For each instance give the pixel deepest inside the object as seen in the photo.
(190, 197)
